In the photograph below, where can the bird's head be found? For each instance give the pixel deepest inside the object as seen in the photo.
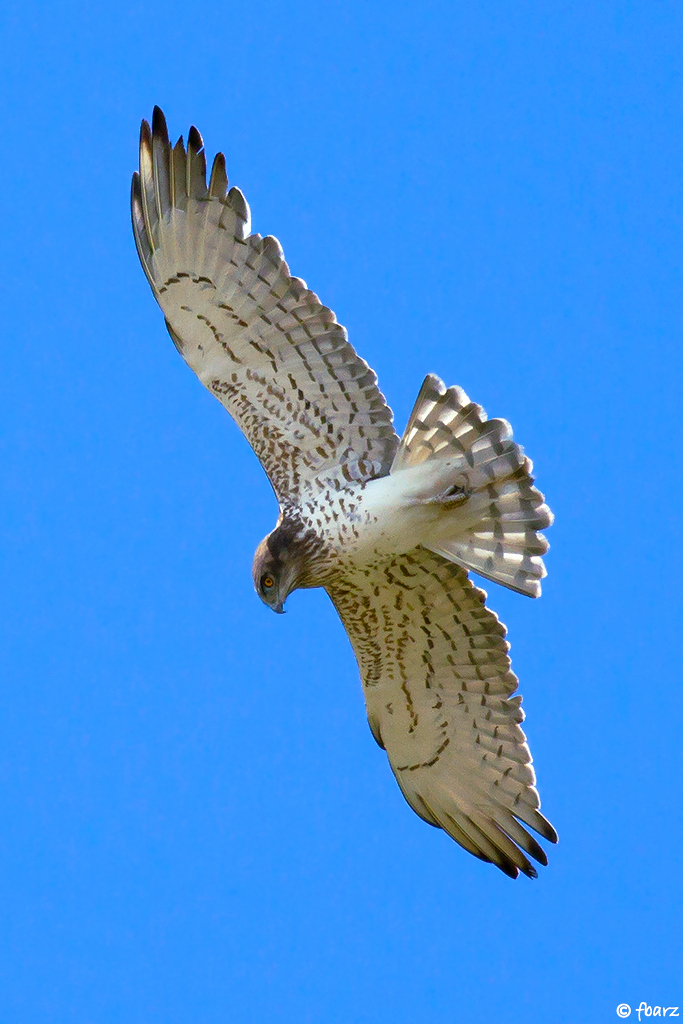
(277, 567)
(270, 577)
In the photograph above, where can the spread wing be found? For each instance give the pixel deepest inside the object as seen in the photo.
(438, 685)
(255, 336)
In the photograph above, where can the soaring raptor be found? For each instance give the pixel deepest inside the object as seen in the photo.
(388, 526)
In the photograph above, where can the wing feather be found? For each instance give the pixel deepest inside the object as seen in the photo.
(257, 337)
(438, 688)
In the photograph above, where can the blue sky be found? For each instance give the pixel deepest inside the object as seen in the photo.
(195, 824)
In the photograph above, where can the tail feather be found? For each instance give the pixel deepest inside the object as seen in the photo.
(493, 510)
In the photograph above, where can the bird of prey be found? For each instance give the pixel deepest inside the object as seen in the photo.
(388, 526)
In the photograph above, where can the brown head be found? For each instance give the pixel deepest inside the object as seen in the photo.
(280, 564)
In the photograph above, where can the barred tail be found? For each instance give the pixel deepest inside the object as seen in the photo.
(491, 511)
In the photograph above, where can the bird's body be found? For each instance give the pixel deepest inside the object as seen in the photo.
(387, 526)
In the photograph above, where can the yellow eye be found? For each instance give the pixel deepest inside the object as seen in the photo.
(268, 582)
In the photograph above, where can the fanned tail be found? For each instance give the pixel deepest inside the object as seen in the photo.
(482, 480)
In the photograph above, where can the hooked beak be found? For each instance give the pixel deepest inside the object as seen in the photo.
(279, 608)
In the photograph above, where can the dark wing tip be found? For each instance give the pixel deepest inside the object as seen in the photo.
(159, 126)
(218, 185)
(512, 868)
(194, 140)
(543, 827)
(145, 134)
(550, 834)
